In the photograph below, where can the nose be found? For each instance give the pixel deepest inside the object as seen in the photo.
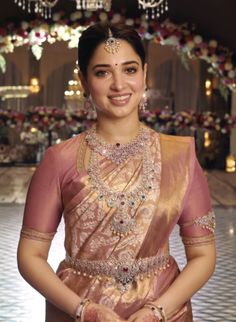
(117, 81)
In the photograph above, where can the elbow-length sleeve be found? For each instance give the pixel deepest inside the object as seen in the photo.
(43, 208)
(197, 220)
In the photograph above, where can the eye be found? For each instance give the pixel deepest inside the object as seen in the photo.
(101, 73)
(131, 70)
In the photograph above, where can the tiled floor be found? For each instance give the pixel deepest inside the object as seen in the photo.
(20, 303)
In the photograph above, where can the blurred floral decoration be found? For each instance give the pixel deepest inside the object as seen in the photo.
(32, 125)
(222, 61)
(166, 119)
(62, 28)
(46, 119)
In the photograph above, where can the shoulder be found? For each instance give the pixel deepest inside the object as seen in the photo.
(66, 148)
(63, 156)
(177, 148)
(171, 141)
(166, 138)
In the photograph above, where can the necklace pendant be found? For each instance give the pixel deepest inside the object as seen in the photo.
(122, 224)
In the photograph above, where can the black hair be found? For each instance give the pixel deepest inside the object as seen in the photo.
(98, 33)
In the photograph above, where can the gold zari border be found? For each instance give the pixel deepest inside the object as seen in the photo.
(198, 241)
(30, 233)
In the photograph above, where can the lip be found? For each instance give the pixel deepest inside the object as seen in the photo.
(119, 100)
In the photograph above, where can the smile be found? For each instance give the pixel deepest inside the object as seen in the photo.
(120, 99)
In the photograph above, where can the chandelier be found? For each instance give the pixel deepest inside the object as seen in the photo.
(43, 7)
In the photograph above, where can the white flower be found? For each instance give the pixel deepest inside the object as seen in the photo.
(37, 36)
(24, 25)
(144, 24)
(76, 15)
(51, 40)
(197, 39)
(214, 58)
(213, 43)
(73, 43)
(231, 74)
(148, 36)
(56, 16)
(174, 40)
(63, 32)
(190, 44)
(204, 51)
(2, 64)
(88, 14)
(228, 66)
(103, 16)
(9, 48)
(129, 22)
(37, 51)
(116, 18)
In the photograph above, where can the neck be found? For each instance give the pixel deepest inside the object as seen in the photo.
(118, 131)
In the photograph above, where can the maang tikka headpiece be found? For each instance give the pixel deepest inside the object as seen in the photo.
(112, 45)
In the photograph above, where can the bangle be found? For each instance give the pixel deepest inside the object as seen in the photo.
(157, 311)
(80, 309)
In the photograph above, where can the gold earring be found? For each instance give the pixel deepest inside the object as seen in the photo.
(89, 107)
(143, 102)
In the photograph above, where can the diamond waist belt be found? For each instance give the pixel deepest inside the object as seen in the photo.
(124, 272)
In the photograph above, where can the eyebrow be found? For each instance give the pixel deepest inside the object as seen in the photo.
(107, 65)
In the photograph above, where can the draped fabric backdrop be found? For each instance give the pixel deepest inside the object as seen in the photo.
(56, 85)
(12, 76)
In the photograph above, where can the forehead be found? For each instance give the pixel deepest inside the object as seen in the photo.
(125, 53)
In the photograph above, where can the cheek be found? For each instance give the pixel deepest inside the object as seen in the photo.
(96, 87)
(137, 84)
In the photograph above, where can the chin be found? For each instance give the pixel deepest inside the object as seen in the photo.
(114, 111)
(124, 112)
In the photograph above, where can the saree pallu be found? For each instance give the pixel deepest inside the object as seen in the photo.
(180, 195)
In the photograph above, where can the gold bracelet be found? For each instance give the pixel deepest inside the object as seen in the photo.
(157, 311)
(80, 309)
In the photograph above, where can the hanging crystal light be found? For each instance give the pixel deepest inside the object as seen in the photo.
(155, 7)
(44, 7)
(93, 5)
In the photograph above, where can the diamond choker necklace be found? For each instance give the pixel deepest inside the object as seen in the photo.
(117, 153)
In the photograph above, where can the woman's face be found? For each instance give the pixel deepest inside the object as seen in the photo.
(116, 81)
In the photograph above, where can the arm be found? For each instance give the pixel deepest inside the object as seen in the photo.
(32, 262)
(43, 211)
(197, 224)
(199, 268)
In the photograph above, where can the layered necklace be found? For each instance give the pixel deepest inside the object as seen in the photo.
(124, 202)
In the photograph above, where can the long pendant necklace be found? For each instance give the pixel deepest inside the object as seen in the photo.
(125, 202)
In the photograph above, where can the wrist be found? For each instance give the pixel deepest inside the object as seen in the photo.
(78, 317)
(158, 311)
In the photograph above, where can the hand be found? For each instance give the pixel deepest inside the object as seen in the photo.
(143, 315)
(100, 313)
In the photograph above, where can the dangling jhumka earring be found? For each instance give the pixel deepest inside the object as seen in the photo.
(112, 45)
(143, 103)
(89, 106)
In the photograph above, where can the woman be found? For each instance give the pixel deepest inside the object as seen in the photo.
(121, 188)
